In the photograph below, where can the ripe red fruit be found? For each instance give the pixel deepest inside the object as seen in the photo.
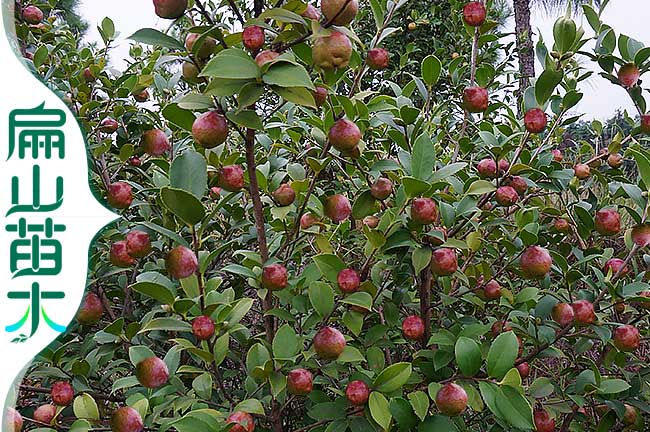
(311, 12)
(582, 171)
(108, 125)
(503, 166)
(253, 37)
(155, 142)
(307, 220)
(88, 75)
(543, 421)
(607, 222)
(344, 135)
(207, 48)
(557, 155)
(210, 129)
(135, 161)
(584, 312)
(243, 422)
(615, 160)
(357, 392)
(333, 51)
(339, 12)
(45, 413)
(500, 326)
(371, 221)
(615, 265)
(524, 370)
(424, 211)
(120, 195)
(337, 208)
(126, 419)
(203, 327)
(274, 277)
(563, 314)
(645, 123)
(535, 120)
(535, 262)
(138, 244)
(231, 178)
(62, 393)
(519, 184)
(119, 256)
(320, 96)
(348, 280)
(451, 400)
(474, 14)
(492, 290)
(32, 15)
(142, 96)
(13, 420)
(475, 99)
(506, 196)
(152, 372)
(265, 56)
(378, 59)
(329, 343)
(628, 75)
(487, 168)
(381, 188)
(413, 327)
(626, 338)
(444, 262)
(170, 9)
(641, 235)
(91, 310)
(181, 262)
(284, 195)
(299, 382)
(561, 225)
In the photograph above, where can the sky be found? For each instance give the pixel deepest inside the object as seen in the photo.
(601, 98)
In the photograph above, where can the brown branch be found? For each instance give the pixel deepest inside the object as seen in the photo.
(424, 288)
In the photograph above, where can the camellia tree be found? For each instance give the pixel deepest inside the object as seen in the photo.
(307, 246)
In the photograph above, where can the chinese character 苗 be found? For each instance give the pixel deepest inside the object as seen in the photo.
(36, 128)
(35, 309)
(35, 251)
(36, 205)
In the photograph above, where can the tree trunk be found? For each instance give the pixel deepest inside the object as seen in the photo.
(525, 48)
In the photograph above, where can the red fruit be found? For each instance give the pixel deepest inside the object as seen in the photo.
(582, 171)
(155, 142)
(207, 48)
(584, 312)
(444, 262)
(339, 12)
(126, 419)
(300, 382)
(474, 14)
(615, 160)
(615, 265)
(378, 59)
(88, 76)
(142, 96)
(535, 262)
(500, 326)
(451, 400)
(108, 125)
(91, 310)
(181, 262)
(626, 338)
(413, 327)
(307, 220)
(506, 196)
(628, 75)
(45, 413)
(274, 277)
(13, 420)
(381, 188)
(243, 422)
(203, 327)
(62, 393)
(487, 168)
(475, 99)
(333, 51)
(607, 222)
(337, 208)
(320, 96)
(371, 221)
(357, 392)
(231, 178)
(561, 225)
(253, 37)
(524, 370)
(492, 290)
(284, 195)
(210, 129)
(170, 9)
(629, 418)
(215, 192)
(32, 15)
(135, 161)
(645, 123)
(348, 280)
(557, 155)
(120, 195)
(265, 56)
(138, 244)
(312, 13)
(503, 165)
(152, 372)
(535, 120)
(119, 256)
(563, 314)
(543, 421)
(424, 211)
(329, 343)
(519, 184)
(344, 135)
(641, 235)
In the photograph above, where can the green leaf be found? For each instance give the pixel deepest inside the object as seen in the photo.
(564, 33)
(283, 15)
(80, 426)
(149, 36)
(421, 258)
(393, 377)
(515, 408)
(362, 299)
(350, 355)
(541, 388)
(179, 116)
(284, 74)
(138, 353)
(502, 354)
(298, 95)
(403, 413)
(431, 68)
(251, 406)
(162, 293)
(167, 233)
(643, 162)
(202, 385)
(321, 297)
(329, 266)
(611, 386)
(233, 64)
(183, 204)
(221, 348)
(414, 187)
(85, 407)
(364, 205)
(480, 187)
(423, 157)
(239, 270)
(468, 356)
(166, 324)
(285, 343)
(447, 171)
(438, 423)
(189, 172)
(246, 118)
(379, 410)
(195, 101)
(108, 28)
(546, 83)
(420, 403)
